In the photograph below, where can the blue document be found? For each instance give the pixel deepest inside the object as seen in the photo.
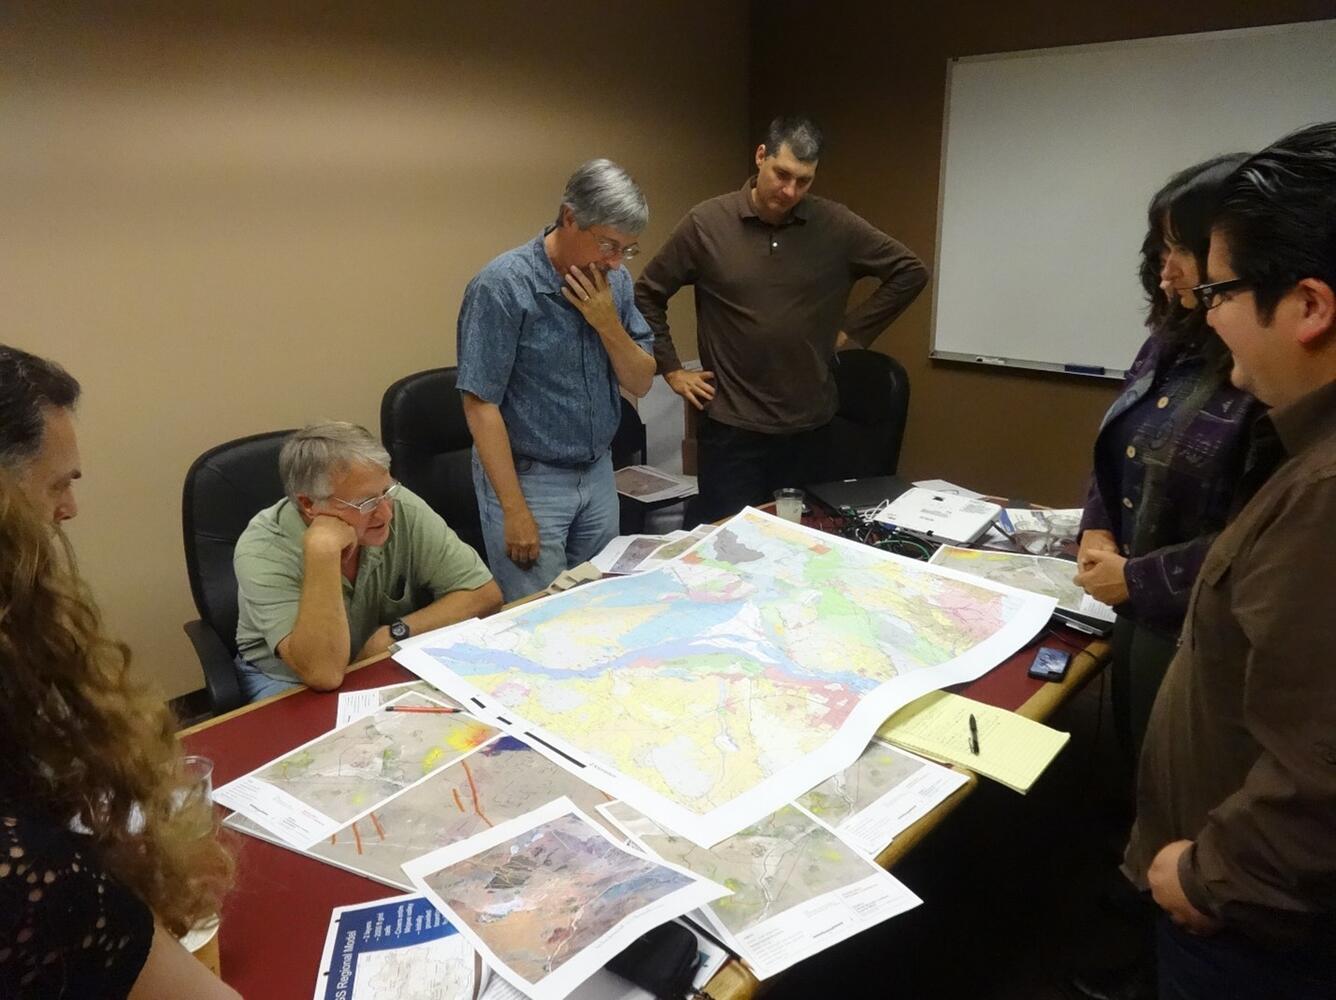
(400, 948)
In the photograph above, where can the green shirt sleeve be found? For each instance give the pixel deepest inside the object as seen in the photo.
(442, 562)
(269, 587)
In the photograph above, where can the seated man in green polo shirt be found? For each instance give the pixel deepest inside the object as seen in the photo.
(347, 563)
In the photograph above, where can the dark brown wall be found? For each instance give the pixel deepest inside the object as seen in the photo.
(874, 74)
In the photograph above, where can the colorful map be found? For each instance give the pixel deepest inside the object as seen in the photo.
(544, 896)
(710, 692)
(355, 767)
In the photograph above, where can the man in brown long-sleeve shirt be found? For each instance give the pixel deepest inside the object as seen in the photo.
(772, 269)
(1236, 814)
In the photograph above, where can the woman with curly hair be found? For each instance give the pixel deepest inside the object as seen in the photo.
(98, 912)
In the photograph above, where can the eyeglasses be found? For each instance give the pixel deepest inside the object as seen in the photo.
(370, 503)
(609, 249)
(1209, 295)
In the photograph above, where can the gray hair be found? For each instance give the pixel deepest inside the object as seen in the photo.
(799, 133)
(312, 454)
(601, 193)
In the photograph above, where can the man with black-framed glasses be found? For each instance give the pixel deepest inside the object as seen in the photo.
(1235, 836)
(344, 565)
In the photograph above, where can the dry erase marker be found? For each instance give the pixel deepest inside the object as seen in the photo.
(423, 709)
(974, 735)
(1084, 369)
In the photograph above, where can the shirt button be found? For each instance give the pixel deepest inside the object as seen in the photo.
(1127, 502)
(1162, 402)
(1131, 452)
(1127, 550)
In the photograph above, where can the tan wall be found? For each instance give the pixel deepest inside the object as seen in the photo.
(230, 223)
(874, 74)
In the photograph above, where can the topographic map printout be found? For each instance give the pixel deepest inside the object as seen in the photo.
(797, 888)
(714, 690)
(879, 795)
(548, 898)
(1040, 574)
(309, 793)
(498, 781)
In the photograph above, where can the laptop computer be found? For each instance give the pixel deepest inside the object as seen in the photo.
(860, 494)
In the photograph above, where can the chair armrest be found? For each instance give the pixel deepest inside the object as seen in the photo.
(220, 673)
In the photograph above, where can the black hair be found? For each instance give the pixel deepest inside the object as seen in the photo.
(1279, 216)
(28, 385)
(1185, 207)
(802, 135)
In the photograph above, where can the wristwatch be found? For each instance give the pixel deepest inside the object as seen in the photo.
(399, 630)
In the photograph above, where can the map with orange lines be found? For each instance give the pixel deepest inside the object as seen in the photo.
(357, 766)
(501, 780)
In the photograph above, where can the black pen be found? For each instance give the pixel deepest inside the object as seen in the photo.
(974, 735)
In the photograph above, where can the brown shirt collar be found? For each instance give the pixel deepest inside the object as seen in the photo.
(1308, 420)
(745, 210)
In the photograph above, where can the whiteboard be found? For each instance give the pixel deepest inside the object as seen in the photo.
(1050, 157)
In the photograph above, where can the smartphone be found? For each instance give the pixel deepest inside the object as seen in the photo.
(1050, 664)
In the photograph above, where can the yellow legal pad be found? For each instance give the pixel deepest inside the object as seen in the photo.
(1012, 749)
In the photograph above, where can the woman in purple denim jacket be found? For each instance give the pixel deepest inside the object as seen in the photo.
(1174, 455)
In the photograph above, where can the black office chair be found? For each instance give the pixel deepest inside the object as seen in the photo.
(422, 427)
(870, 424)
(224, 489)
(629, 445)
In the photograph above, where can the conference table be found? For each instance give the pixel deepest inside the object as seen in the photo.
(275, 919)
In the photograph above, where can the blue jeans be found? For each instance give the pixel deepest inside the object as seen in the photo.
(256, 684)
(1228, 966)
(577, 514)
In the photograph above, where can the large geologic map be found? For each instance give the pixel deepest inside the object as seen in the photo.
(712, 691)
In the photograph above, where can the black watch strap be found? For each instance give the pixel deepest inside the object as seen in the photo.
(399, 630)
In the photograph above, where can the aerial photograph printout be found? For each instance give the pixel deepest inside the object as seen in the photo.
(548, 898)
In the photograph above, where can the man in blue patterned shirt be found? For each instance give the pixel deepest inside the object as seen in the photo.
(549, 335)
